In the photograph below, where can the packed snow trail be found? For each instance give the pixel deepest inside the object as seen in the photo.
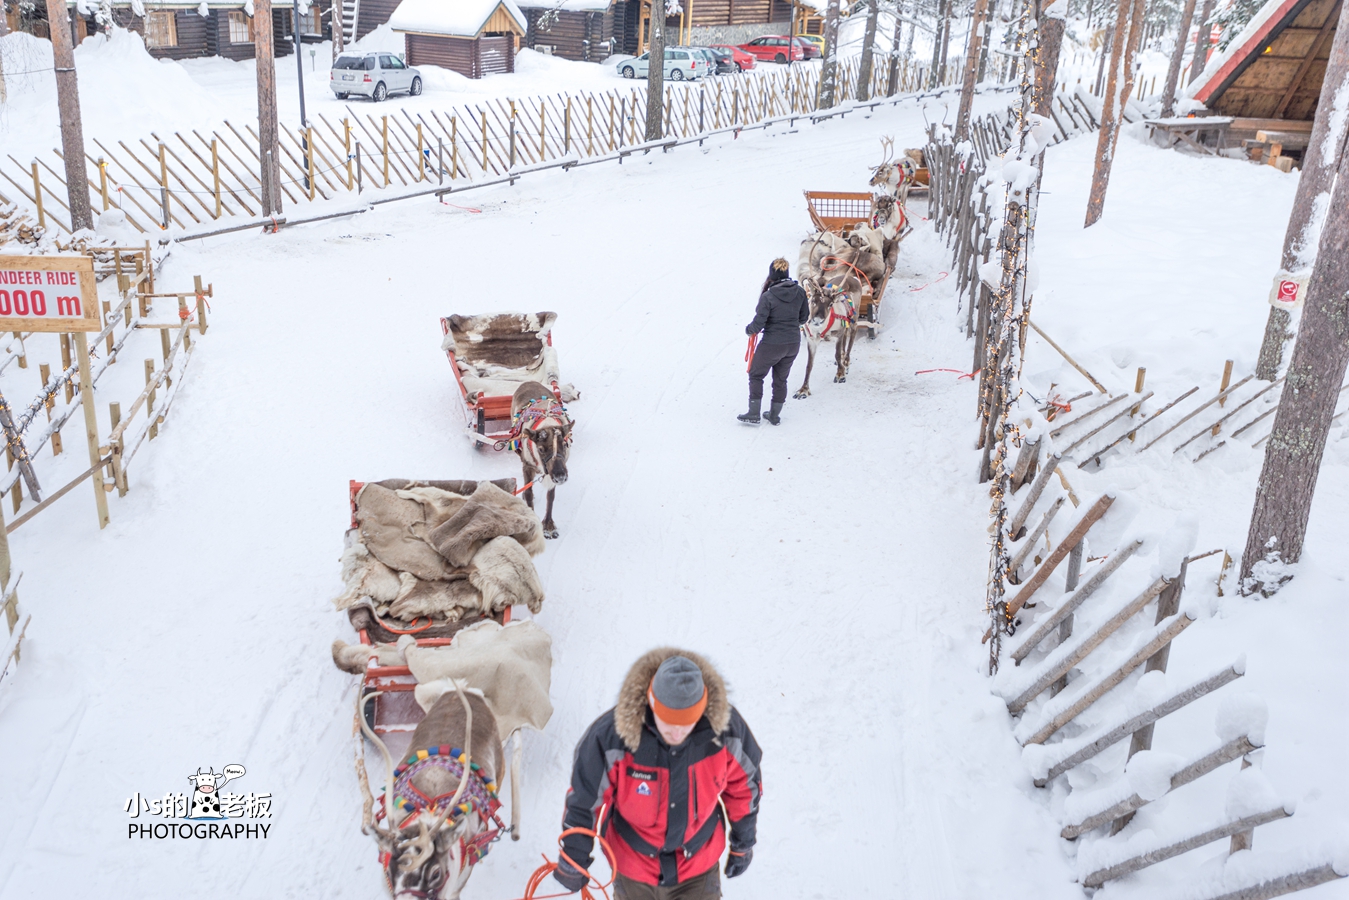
(831, 567)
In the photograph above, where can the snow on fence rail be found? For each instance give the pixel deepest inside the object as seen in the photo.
(134, 270)
(182, 182)
(1110, 643)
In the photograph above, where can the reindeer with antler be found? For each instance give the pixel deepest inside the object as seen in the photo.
(440, 802)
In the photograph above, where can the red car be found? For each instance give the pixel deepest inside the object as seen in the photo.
(774, 48)
(743, 60)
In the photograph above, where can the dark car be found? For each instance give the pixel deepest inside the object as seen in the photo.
(725, 61)
(773, 48)
(809, 47)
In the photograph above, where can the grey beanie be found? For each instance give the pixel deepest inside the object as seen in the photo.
(678, 683)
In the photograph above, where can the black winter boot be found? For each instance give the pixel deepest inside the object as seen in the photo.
(751, 417)
(773, 414)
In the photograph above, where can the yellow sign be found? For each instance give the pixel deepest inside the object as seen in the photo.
(48, 293)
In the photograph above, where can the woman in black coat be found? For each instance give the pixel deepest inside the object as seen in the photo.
(783, 309)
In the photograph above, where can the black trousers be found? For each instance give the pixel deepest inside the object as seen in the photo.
(778, 359)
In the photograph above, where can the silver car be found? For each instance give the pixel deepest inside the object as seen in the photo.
(376, 75)
(681, 64)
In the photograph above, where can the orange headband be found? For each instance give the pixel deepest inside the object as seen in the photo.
(670, 716)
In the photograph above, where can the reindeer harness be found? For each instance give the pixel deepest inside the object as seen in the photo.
(530, 417)
(479, 794)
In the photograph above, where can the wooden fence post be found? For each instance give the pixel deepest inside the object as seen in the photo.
(91, 426)
(150, 398)
(215, 177)
(543, 110)
(103, 182)
(309, 157)
(454, 147)
(484, 140)
(512, 127)
(566, 128)
(201, 303)
(346, 148)
(386, 150)
(37, 198)
(164, 186)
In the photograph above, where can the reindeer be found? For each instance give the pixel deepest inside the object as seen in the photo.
(833, 310)
(434, 859)
(894, 177)
(543, 430)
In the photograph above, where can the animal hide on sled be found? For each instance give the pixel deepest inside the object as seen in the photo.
(511, 665)
(427, 552)
(497, 352)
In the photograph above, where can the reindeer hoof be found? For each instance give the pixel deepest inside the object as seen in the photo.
(801, 394)
(550, 531)
(839, 379)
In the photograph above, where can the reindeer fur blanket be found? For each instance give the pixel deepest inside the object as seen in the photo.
(497, 352)
(510, 664)
(423, 551)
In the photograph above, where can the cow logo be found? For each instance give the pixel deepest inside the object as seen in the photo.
(206, 790)
(643, 789)
(207, 811)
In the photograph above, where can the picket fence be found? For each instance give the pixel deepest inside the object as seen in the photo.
(175, 182)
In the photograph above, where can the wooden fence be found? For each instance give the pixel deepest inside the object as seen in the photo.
(183, 182)
(60, 396)
(1078, 667)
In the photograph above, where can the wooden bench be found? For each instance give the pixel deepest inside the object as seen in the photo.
(1192, 131)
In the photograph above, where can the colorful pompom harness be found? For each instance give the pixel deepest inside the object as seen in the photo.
(529, 417)
(479, 794)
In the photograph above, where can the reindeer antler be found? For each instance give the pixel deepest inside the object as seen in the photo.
(888, 145)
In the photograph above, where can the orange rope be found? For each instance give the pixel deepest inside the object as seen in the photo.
(542, 872)
(842, 262)
(749, 353)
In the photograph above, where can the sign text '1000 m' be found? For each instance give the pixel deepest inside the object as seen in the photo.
(48, 293)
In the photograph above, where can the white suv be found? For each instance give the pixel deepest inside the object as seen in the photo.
(680, 64)
(375, 75)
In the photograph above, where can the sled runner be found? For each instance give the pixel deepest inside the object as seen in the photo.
(492, 355)
(841, 212)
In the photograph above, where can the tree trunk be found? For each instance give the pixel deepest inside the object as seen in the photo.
(988, 39)
(1293, 453)
(1318, 175)
(1119, 85)
(946, 37)
(68, 100)
(938, 24)
(1177, 59)
(1283, 497)
(971, 70)
(1047, 62)
(892, 81)
(1107, 42)
(655, 72)
(267, 123)
(868, 52)
(1202, 40)
(829, 71)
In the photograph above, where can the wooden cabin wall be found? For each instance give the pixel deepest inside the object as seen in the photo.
(1260, 89)
(581, 36)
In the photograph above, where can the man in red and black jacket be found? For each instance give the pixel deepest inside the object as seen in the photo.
(663, 763)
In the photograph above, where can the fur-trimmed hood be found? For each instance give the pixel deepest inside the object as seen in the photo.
(630, 712)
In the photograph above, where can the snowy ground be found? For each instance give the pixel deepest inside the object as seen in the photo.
(833, 567)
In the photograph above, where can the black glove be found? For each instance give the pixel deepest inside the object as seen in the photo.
(738, 861)
(569, 878)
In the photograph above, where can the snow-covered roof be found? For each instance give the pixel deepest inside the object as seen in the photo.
(567, 5)
(1221, 64)
(456, 18)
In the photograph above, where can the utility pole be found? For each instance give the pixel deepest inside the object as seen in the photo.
(1315, 182)
(1177, 59)
(299, 71)
(1293, 453)
(268, 147)
(864, 69)
(68, 100)
(655, 72)
(972, 53)
(1119, 85)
